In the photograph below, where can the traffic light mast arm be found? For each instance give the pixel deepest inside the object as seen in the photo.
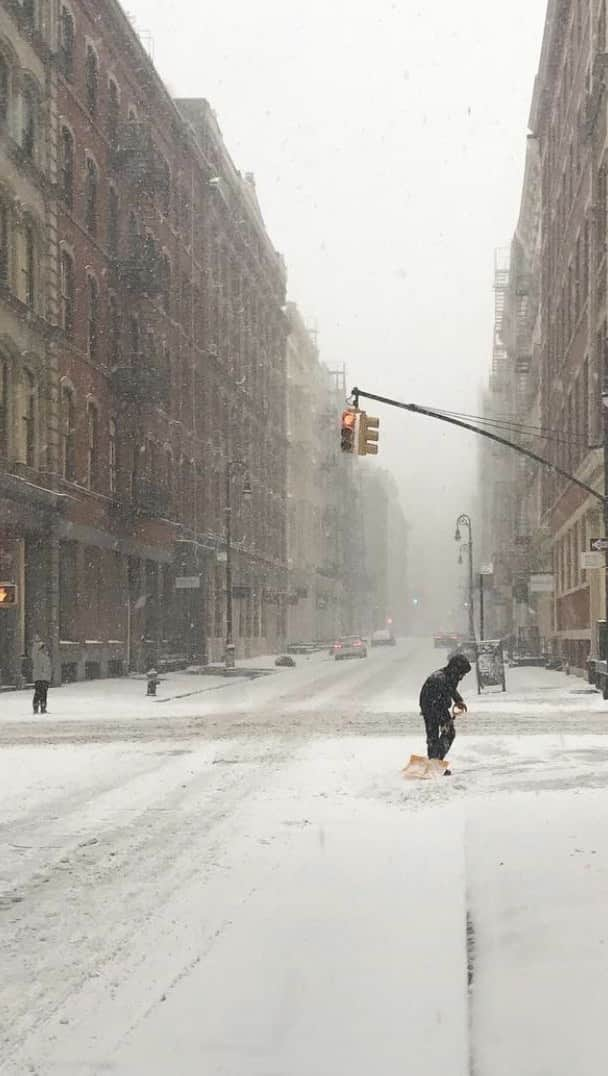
(429, 413)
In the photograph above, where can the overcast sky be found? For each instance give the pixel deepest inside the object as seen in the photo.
(387, 140)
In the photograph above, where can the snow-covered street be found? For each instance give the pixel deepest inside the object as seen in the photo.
(235, 879)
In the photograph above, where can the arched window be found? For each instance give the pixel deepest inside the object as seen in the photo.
(91, 80)
(66, 41)
(29, 265)
(68, 434)
(67, 167)
(92, 445)
(28, 419)
(133, 233)
(166, 283)
(91, 184)
(113, 212)
(169, 469)
(4, 244)
(4, 407)
(112, 456)
(29, 122)
(67, 293)
(115, 331)
(4, 89)
(93, 316)
(113, 111)
(133, 340)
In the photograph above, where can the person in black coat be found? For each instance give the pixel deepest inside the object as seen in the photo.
(438, 694)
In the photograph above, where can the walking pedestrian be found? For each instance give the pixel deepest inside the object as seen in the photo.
(439, 692)
(42, 673)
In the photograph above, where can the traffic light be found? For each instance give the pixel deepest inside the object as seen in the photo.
(349, 430)
(369, 434)
(8, 595)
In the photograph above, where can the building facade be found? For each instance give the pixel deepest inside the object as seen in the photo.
(29, 500)
(143, 359)
(565, 377)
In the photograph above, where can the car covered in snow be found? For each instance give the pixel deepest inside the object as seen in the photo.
(446, 640)
(383, 637)
(349, 646)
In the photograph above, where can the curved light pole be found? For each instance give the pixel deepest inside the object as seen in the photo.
(233, 467)
(465, 521)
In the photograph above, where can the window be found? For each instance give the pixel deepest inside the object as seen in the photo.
(4, 89)
(164, 187)
(91, 197)
(67, 293)
(67, 167)
(4, 407)
(29, 13)
(92, 445)
(93, 324)
(4, 244)
(112, 456)
(68, 434)
(66, 46)
(91, 80)
(29, 266)
(113, 209)
(28, 419)
(115, 332)
(113, 111)
(166, 283)
(134, 339)
(133, 233)
(28, 130)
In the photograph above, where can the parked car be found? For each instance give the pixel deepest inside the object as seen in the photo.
(350, 646)
(446, 640)
(383, 637)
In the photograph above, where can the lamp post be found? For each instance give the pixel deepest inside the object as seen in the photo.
(465, 521)
(233, 467)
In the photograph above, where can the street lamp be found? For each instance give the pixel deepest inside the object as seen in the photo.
(233, 467)
(465, 521)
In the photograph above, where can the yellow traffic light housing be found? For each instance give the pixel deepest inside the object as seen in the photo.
(369, 435)
(8, 596)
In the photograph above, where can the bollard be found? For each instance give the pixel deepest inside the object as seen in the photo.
(153, 681)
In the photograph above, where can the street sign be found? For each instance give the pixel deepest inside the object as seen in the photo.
(221, 558)
(187, 582)
(486, 569)
(592, 560)
(542, 584)
(597, 545)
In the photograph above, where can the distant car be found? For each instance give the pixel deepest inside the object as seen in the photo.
(350, 646)
(383, 637)
(446, 640)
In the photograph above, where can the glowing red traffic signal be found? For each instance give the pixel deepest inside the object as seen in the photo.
(349, 430)
(8, 595)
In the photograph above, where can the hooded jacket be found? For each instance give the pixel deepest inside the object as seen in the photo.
(41, 663)
(440, 690)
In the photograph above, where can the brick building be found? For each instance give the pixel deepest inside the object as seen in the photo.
(28, 500)
(161, 343)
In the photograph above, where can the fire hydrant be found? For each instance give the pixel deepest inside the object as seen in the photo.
(153, 681)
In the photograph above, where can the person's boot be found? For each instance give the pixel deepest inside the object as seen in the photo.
(447, 773)
(36, 709)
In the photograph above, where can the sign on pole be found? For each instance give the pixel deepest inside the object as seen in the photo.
(187, 582)
(592, 560)
(598, 545)
(542, 583)
(486, 569)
